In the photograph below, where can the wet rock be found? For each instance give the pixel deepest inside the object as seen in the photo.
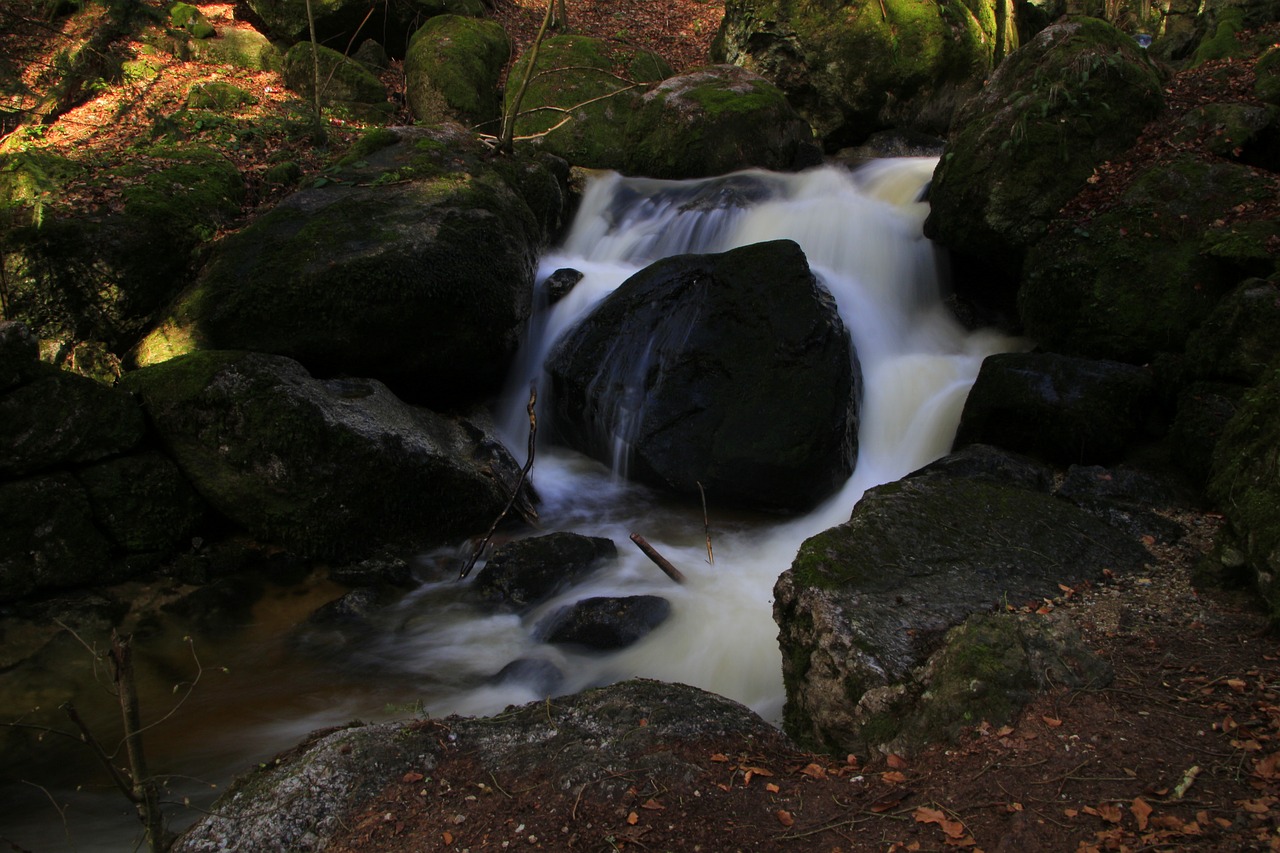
(559, 283)
(539, 675)
(984, 462)
(19, 355)
(605, 623)
(1056, 407)
(48, 539)
(524, 572)
(1126, 497)
(1237, 341)
(1204, 409)
(733, 371)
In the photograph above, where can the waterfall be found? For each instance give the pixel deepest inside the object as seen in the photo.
(862, 234)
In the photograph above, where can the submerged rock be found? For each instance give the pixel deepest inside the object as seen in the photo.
(524, 572)
(733, 371)
(606, 623)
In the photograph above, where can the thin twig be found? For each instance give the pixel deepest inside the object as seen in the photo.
(706, 524)
(515, 493)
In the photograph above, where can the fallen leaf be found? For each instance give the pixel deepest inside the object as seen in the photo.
(1141, 812)
(897, 762)
(1070, 812)
(893, 777)
(1051, 722)
(720, 757)
(412, 776)
(1004, 731)
(633, 818)
(951, 828)
(814, 771)
(447, 836)
(653, 805)
(890, 801)
(772, 788)
(757, 771)
(1247, 745)
(1110, 812)
(1236, 684)
(1268, 767)
(785, 818)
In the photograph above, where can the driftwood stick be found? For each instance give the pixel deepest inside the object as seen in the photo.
(659, 560)
(515, 493)
(706, 524)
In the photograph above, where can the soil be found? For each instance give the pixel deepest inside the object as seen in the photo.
(1181, 750)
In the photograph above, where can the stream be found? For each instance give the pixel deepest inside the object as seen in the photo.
(432, 652)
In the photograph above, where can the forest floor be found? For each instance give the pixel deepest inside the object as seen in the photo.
(1180, 751)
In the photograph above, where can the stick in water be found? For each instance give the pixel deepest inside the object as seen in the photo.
(706, 524)
(659, 560)
(515, 493)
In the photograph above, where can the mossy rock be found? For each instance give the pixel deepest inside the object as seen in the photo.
(337, 22)
(343, 81)
(48, 539)
(218, 95)
(336, 469)
(242, 48)
(713, 121)
(143, 503)
(104, 276)
(420, 240)
(852, 68)
(1267, 76)
(1237, 341)
(867, 602)
(584, 88)
(1245, 485)
(1138, 278)
(188, 17)
(1078, 94)
(453, 69)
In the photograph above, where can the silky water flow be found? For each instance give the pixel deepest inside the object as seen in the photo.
(435, 652)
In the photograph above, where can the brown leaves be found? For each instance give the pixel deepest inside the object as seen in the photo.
(954, 830)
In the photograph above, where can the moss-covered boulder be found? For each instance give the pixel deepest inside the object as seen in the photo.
(852, 68)
(1245, 485)
(414, 265)
(731, 373)
(241, 47)
(48, 539)
(1077, 94)
(57, 419)
(345, 83)
(143, 503)
(581, 94)
(1057, 408)
(453, 69)
(337, 468)
(104, 275)
(191, 19)
(1237, 342)
(337, 22)
(1137, 278)
(716, 120)
(218, 95)
(867, 602)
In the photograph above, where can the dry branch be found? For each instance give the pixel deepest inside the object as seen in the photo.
(659, 560)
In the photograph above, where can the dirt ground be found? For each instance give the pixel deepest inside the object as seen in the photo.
(1181, 751)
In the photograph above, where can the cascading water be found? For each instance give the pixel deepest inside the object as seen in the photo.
(861, 232)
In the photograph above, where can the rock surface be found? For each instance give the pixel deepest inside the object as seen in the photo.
(730, 370)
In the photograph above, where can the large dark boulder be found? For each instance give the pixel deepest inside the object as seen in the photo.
(1077, 94)
(345, 83)
(852, 68)
(106, 273)
(48, 539)
(591, 745)
(333, 468)
(1237, 342)
(1057, 408)
(1139, 277)
(868, 601)
(19, 355)
(733, 371)
(715, 120)
(58, 419)
(415, 267)
(527, 571)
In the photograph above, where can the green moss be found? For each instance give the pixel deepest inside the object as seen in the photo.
(371, 141)
(1222, 44)
(453, 68)
(218, 95)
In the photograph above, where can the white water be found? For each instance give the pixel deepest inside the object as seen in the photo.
(862, 235)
